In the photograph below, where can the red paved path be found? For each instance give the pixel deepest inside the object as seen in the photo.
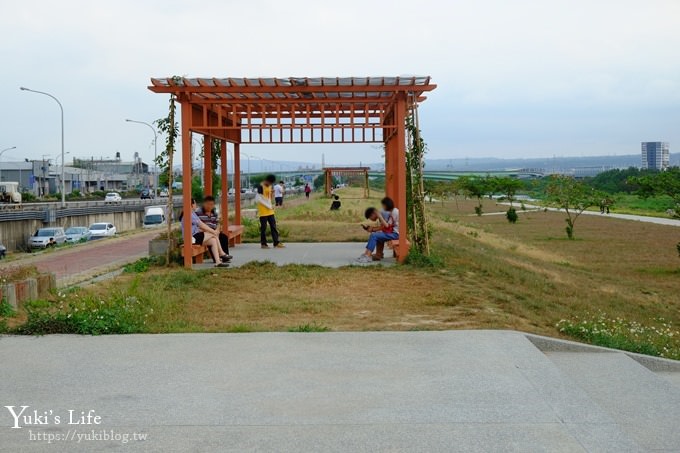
(101, 253)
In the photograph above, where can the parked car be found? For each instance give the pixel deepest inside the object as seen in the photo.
(113, 197)
(102, 229)
(47, 237)
(147, 194)
(3, 251)
(164, 193)
(77, 234)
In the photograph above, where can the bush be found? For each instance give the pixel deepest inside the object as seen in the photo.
(659, 339)
(27, 197)
(6, 310)
(478, 210)
(417, 259)
(511, 215)
(141, 265)
(85, 316)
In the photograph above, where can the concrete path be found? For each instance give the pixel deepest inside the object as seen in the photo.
(637, 218)
(454, 391)
(327, 254)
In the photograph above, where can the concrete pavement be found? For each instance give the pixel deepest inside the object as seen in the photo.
(472, 391)
(637, 218)
(327, 254)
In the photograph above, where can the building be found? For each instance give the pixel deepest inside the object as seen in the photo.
(655, 155)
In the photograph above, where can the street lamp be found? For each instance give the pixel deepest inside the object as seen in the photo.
(155, 153)
(1, 153)
(56, 159)
(63, 182)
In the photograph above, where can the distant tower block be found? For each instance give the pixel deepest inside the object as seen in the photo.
(656, 155)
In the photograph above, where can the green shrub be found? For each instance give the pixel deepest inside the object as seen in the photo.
(141, 265)
(511, 215)
(119, 314)
(6, 310)
(417, 259)
(478, 210)
(657, 339)
(27, 197)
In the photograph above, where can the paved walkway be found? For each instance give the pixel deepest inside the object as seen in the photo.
(454, 391)
(637, 218)
(84, 261)
(327, 254)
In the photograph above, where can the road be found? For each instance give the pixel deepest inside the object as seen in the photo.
(79, 263)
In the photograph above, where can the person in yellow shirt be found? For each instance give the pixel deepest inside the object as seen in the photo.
(266, 213)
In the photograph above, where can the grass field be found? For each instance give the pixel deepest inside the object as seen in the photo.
(495, 275)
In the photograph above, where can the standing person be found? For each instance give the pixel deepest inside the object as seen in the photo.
(278, 194)
(389, 225)
(266, 212)
(208, 215)
(308, 190)
(203, 234)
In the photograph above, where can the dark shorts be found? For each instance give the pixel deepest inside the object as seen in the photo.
(199, 237)
(279, 201)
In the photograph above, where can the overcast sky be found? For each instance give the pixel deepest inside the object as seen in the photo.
(521, 78)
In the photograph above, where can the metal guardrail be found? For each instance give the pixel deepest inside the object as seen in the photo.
(51, 211)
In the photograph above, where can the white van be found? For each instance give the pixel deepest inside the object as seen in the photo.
(154, 216)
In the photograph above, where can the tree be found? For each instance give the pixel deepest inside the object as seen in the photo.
(474, 187)
(165, 159)
(662, 183)
(573, 196)
(508, 187)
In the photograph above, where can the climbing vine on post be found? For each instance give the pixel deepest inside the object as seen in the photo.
(415, 189)
(165, 159)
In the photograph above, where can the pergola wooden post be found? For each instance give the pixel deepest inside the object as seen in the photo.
(293, 110)
(224, 176)
(207, 165)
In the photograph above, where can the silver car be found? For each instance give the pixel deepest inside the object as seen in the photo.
(47, 237)
(78, 234)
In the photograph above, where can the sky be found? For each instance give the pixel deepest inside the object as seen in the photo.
(521, 78)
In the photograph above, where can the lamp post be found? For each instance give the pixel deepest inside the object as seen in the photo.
(155, 153)
(1, 153)
(63, 182)
(56, 160)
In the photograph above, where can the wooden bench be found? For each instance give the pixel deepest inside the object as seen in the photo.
(197, 252)
(234, 233)
(397, 250)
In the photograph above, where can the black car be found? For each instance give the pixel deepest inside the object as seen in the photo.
(147, 194)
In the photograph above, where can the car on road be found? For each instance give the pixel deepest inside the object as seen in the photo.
(77, 234)
(164, 193)
(102, 229)
(113, 197)
(154, 216)
(147, 194)
(47, 237)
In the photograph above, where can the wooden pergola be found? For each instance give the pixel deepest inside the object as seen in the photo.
(348, 172)
(294, 110)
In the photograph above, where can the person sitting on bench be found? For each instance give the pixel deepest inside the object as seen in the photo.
(208, 215)
(204, 235)
(388, 231)
(335, 205)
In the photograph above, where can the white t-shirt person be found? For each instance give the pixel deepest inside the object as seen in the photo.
(278, 191)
